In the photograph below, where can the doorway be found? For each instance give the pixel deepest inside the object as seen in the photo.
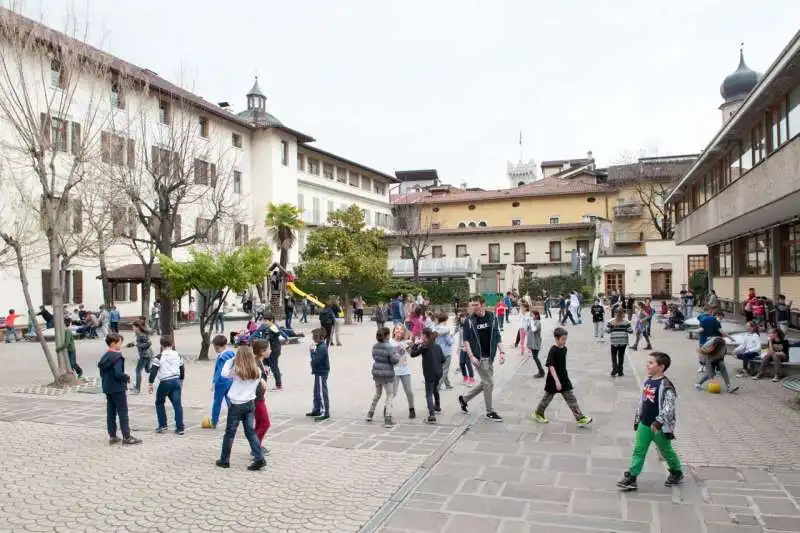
(661, 284)
(615, 281)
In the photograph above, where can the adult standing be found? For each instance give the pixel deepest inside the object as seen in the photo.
(482, 341)
(304, 310)
(630, 302)
(615, 300)
(155, 318)
(114, 318)
(327, 319)
(337, 324)
(359, 301)
(713, 301)
(105, 317)
(689, 303)
(546, 298)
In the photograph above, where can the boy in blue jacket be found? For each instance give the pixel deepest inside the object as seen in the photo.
(115, 383)
(220, 383)
(320, 368)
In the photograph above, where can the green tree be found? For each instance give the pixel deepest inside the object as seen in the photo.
(344, 252)
(283, 221)
(214, 276)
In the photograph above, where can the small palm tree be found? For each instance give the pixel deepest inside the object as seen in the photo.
(283, 221)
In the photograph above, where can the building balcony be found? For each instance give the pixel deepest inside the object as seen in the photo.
(629, 237)
(628, 210)
(311, 218)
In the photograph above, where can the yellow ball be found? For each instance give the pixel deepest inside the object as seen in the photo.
(205, 423)
(714, 387)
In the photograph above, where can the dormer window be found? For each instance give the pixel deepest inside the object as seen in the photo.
(117, 102)
(57, 78)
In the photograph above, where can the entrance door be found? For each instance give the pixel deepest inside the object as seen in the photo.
(615, 281)
(661, 284)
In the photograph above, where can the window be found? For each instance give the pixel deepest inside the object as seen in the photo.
(241, 234)
(436, 225)
(793, 117)
(494, 252)
(405, 252)
(735, 160)
(113, 149)
(615, 281)
(58, 134)
(117, 101)
(790, 249)
(327, 171)
(331, 207)
(301, 201)
(124, 223)
(301, 241)
(301, 163)
(555, 219)
(758, 143)
(462, 225)
(461, 250)
(555, 251)
(697, 262)
(482, 224)
(205, 231)
(315, 212)
(237, 182)
(73, 287)
(236, 140)
(164, 115)
(366, 183)
(354, 181)
(472, 225)
(516, 222)
(124, 292)
(722, 260)
(313, 166)
(71, 218)
(341, 174)
(436, 252)
(205, 173)
(284, 153)
(519, 253)
(756, 249)
(380, 189)
(58, 78)
(202, 127)
(161, 161)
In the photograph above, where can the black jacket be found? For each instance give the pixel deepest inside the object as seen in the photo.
(112, 372)
(432, 360)
(320, 362)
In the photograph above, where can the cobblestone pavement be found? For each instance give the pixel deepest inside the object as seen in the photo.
(520, 476)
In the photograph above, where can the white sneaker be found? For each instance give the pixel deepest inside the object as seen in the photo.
(701, 369)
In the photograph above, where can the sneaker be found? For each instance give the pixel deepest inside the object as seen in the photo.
(584, 421)
(322, 417)
(266, 449)
(620, 374)
(758, 376)
(279, 389)
(539, 375)
(179, 431)
(634, 348)
(437, 409)
(448, 387)
(674, 478)
(775, 379)
(701, 369)
(389, 423)
(222, 464)
(494, 416)
(114, 440)
(369, 416)
(131, 440)
(539, 417)
(313, 414)
(465, 380)
(732, 388)
(162, 429)
(648, 347)
(257, 465)
(463, 403)
(412, 413)
(431, 420)
(697, 386)
(613, 373)
(628, 482)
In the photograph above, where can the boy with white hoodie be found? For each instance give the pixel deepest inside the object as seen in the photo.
(444, 338)
(168, 367)
(749, 349)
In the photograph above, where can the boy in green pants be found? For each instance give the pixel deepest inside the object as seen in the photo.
(655, 422)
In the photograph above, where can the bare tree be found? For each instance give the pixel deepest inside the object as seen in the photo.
(652, 195)
(413, 232)
(180, 170)
(52, 90)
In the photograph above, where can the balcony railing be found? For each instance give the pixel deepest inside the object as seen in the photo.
(628, 237)
(312, 218)
(628, 210)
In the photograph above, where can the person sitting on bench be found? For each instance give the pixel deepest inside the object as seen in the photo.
(749, 349)
(676, 318)
(777, 353)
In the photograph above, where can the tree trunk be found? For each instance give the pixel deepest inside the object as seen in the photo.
(347, 303)
(167, 302)
(23, 278)
(415, 266)
(147, 285)
(65, 375)
(104, 278)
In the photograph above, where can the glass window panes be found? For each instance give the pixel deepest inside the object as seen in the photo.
(794, 112)
(494, 253)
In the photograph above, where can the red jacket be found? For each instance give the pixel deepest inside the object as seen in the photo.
(500, 308)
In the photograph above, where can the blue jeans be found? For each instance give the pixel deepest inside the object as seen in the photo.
(289, 316)
(142, 364)
(321, 404)
(746, 358)
(169, 389)
(219, 323)
(241, 413)
(272, 363)
(304, 318)
(465, 364)
(220, 393)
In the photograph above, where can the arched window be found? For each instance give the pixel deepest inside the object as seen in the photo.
(473, 225)
(462, 225)
(520, 184)
(482, 224)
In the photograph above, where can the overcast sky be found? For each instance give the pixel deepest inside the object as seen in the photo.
(449, 84)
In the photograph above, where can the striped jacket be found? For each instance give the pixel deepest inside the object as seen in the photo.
(618, 333)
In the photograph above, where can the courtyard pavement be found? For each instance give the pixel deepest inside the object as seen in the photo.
(464, 475)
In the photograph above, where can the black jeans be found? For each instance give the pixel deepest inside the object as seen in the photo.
(240, 413)
(73, 363)
(432, 396)
(567, 314)
(328, 333)
(117, 405)
(617, 358)
(114, 326)
(272, 363)
(535, 355)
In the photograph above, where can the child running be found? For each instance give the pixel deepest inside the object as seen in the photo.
(168, 366)
(272, 333)
(261, 413)
(712, 353)
(402, 372)
(534, 341)
(320, 368)
(432, 363)
(219, 383)
(558, 381)
(500, 310)
(654, 422)
(246, 375)
(445, 341)
(115, 382)
(598, 317)
(619, 330)
(384, 357)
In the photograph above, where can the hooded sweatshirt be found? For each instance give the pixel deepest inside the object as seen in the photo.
(112, 372)
(218, 380)
(432, 360)
(444, 339)
(167, 365)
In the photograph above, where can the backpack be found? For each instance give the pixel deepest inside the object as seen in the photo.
(326, 318)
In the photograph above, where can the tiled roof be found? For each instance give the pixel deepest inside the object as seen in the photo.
(152, 80)
(132, 272)
(515, 229)
(544, 187)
